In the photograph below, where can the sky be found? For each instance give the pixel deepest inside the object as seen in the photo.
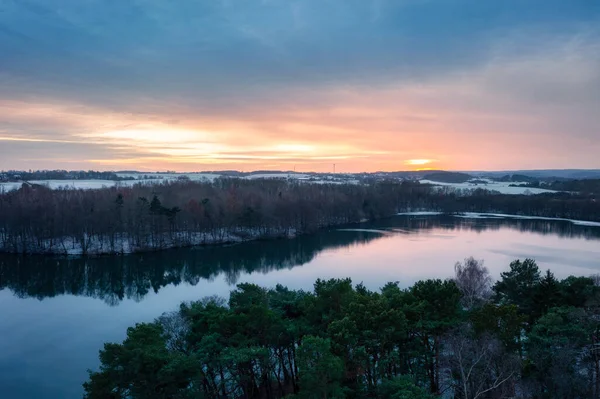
(368, 85)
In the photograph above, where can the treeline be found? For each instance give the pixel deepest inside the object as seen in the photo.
(528, 336)
(183, 213)
(587, 186)
(448, 177)
(556, 205)
(518, 178)
(20, 175)
(113, 279)
(36, 219)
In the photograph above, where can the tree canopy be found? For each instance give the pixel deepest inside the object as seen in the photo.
(535, 336)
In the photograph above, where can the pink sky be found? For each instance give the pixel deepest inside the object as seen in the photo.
(379, 87)
(466, 122)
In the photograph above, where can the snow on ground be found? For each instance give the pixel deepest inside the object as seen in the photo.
(419, 213)
(306, 178)
(376, 231)
(124, 245)
(160, 178)
(4, 187)
(351, 181)
(141, 176)
(475, 215)
(299, 176)
(55, 184)
(77, 184)
(502, 187)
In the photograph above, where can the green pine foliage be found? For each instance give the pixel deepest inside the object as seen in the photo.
(536, 337)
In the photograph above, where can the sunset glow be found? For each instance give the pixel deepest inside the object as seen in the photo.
(266, 91)
(418, 162)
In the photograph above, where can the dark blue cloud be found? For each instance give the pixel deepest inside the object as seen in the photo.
(112, 51)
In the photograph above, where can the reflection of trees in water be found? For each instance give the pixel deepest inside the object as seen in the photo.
(133, 277)
(113, 279)
(555, 227)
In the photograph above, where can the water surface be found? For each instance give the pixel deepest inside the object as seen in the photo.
(56, 313)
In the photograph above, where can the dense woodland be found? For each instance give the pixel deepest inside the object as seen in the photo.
(148, 217)
(557, 205)
(36, 219)
(588, 186)
(527, 336)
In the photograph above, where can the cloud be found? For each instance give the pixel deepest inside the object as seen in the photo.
(372, 83)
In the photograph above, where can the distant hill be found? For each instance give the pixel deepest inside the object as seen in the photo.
(516, 178)
(545, 174)
(448, 177)
(588, 186)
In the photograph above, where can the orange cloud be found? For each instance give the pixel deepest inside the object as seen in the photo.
(469, 121)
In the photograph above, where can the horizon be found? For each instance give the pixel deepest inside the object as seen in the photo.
(370, 86)
(216, 171)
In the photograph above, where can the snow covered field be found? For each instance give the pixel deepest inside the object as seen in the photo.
(502, 187)
(144, 177)
(159, 178)
(298, 176)
(55, 184)
(475, 215)
(81, 184)
(419, 213)
(139, 178)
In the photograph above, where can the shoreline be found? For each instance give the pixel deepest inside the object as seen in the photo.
(202, 240)
(224, 239)
(493, 215)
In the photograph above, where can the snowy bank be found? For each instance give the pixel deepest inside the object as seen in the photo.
(127, 244)
(476, 215)
(486, 184)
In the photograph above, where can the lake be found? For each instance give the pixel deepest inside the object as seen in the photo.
(56, 313)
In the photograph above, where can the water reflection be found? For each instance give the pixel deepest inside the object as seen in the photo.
(558, 228)
(116, 278)
(113, 279)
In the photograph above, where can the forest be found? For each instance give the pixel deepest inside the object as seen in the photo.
(36, 219)
(589, 186)
(183, 213)
(565, 205)
(22, 175)
(528, 335)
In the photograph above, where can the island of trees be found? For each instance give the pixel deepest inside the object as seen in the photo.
(528, 335)
(36, 219)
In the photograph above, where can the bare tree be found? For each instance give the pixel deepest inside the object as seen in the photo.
(474, 281)
(479, 366)
(36, 219)
(176, 328)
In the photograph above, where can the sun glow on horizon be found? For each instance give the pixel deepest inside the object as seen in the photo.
(148, 143)
(418, 162)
